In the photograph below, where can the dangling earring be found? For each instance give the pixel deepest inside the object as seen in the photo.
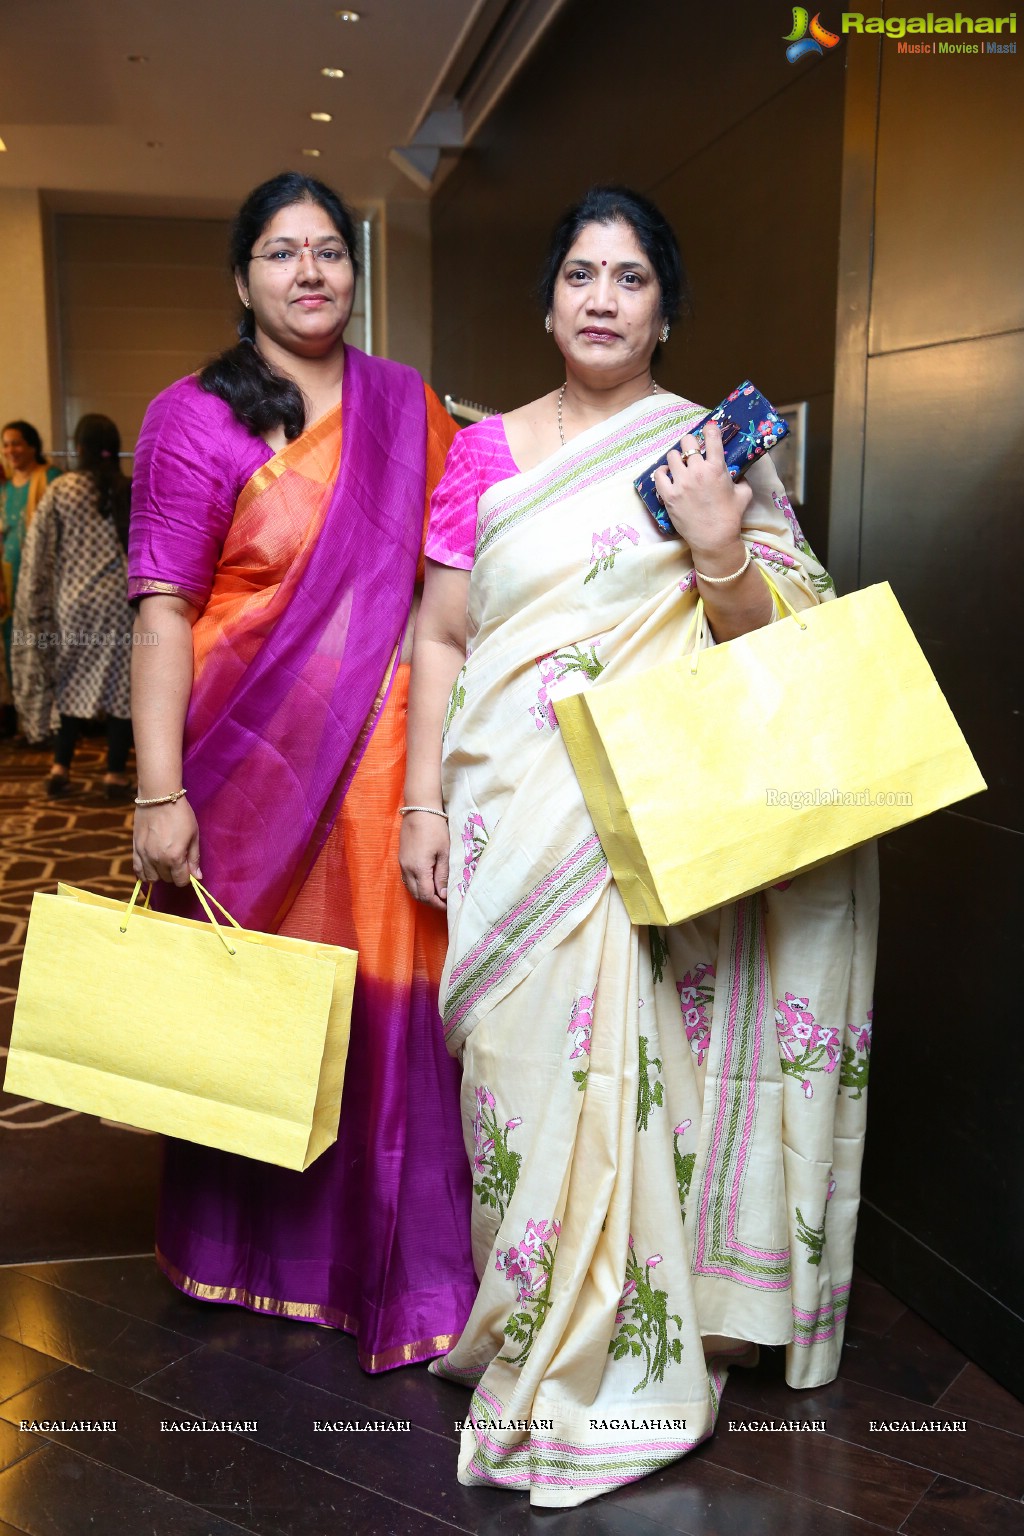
(663, 333)
(547, 324)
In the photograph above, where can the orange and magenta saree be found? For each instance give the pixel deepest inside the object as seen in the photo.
(303, 565)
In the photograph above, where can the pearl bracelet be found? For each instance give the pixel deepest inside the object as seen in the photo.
(403, 810)
(721, 581)
(164, 799)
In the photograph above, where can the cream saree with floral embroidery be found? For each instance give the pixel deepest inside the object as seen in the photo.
(665, 1126)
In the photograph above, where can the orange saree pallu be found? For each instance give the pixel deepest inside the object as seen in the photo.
(294, 763)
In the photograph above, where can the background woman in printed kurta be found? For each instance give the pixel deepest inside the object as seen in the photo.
(277, 522)
(664, 1125)
(72, 587)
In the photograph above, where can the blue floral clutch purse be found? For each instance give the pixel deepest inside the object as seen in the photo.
(750, 426)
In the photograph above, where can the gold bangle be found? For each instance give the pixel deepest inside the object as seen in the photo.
(429, 810)
(164, 799)
(721, 581)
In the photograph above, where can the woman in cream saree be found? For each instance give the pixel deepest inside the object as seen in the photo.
(664, 1126)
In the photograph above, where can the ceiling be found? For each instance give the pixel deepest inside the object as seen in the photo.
(222, 98)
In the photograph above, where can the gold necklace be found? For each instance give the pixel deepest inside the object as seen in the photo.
(561, 395)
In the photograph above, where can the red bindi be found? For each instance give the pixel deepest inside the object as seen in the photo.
(305, 242)
(604, 263)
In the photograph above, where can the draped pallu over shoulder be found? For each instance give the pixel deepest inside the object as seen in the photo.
(288, 684)
(665, 1123)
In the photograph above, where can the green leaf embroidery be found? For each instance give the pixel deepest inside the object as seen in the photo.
(644, 1320)
(684, 1174)
(659, 953)
(853, 1072)
(456, 701)
(813, 1238)
(649, 1094)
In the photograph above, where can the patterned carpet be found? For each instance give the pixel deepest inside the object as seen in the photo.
(72, 1186)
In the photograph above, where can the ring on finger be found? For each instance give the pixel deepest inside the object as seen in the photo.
(690, 453)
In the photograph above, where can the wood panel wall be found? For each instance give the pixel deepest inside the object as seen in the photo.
(741, 149)
(926, 494)
(916, 320)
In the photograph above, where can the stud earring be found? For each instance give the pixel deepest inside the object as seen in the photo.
(246, 303)
(663, 333)
(547, 324)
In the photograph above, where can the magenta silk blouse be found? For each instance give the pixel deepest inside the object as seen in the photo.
(192, 459)
(477, 459)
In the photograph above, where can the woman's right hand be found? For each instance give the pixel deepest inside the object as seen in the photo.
(423, 853)
(166, 843)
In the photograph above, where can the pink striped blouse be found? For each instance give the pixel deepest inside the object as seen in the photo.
(477, 459)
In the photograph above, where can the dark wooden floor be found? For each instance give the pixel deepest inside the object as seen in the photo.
(99, 1339)
(109, 1339)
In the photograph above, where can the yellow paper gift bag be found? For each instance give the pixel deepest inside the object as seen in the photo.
(738, 766)
(223, 1036)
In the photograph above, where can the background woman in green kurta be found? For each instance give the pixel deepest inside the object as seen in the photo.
(28, 475)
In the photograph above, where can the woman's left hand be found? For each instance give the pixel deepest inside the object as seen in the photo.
(705, 504)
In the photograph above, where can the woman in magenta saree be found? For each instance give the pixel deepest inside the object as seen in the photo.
(283, 581)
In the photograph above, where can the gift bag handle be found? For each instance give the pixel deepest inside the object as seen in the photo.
(781, 603)
(695, 634)
(204, 898)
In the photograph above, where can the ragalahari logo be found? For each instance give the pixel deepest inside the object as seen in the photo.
(808, 35)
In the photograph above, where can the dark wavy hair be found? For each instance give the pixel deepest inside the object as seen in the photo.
(261, 398)
(97, 447)
(30, 435)
(654, 235)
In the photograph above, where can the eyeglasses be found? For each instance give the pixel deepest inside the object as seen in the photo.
(323, 255)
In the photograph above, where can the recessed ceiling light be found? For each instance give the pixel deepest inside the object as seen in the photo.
(314, 154)
(3, 147)
(138, 58)
(322, 117)
(347, 15)
(333, 74)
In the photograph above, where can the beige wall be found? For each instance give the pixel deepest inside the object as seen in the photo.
(25, 369)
